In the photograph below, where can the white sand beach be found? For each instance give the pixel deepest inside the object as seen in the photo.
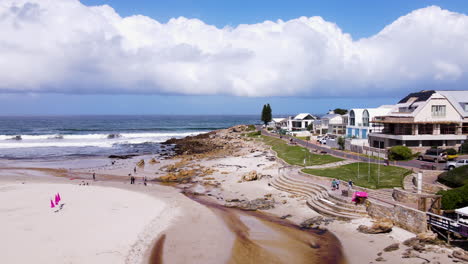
(95, 225)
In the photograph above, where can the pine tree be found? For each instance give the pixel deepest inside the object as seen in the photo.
(266, 114)
(263, 118)
(269, 116)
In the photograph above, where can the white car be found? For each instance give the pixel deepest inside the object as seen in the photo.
(455, 164)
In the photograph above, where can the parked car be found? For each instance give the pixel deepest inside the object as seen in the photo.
(455, 164)
(436, 155)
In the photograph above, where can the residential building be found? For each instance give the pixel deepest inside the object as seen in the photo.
(333, 124)
(300, 122)
(359, 125)
(279, 123)
(424, 119)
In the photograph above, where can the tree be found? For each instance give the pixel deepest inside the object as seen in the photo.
(341, 143)
(400, 153)
(266, 114)
(340, 111)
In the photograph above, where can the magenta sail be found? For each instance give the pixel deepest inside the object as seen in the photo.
(52, 205)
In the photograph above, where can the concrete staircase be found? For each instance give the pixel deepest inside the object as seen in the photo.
(319, 199)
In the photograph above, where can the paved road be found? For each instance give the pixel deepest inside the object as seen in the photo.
(414, 164)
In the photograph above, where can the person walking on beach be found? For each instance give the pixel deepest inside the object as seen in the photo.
(144, 180)
(94, 176)
(350, 184)
(333, 184)
(338, 184)
(134, 170)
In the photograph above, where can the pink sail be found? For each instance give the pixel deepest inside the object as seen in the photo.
(56, 200)
(52, 205)
(59, 198)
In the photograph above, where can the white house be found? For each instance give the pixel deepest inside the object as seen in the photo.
(359, 125)
(333, 124)
(424, 119)
(279, 122)
(300, 122)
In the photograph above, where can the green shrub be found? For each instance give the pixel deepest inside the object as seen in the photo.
(454, 198)
(464, 148)
(400, 153)
(254, 134)
(455, 178)
(251, 128)
(451, 151)
(269, 128)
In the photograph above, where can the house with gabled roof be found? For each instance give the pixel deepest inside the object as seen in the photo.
(300, 122)
(424, 119)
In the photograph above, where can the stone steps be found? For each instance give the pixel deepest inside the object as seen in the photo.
(325, 194)
(323, 197)
(319, 199)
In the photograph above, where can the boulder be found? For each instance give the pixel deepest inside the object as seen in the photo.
(427, 237)
(392, 247)
(311, 222)
(381, 226)
(460, 254)
(251, 176)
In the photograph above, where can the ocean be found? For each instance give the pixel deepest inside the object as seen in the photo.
(56, 137)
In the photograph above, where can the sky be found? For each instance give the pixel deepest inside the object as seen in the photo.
(225, 57)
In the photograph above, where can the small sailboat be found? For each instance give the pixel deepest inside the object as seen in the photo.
(52, 205)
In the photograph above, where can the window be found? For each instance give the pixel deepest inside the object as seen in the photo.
(465, 107)
(365, 118)
(438, 110)
(352, 118)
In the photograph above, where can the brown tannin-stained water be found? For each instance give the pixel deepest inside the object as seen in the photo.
(263, 238)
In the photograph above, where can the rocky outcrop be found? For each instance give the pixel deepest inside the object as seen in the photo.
(315, 222)
(381, 226)
(112, 136)
(392, 247)
(253, 205)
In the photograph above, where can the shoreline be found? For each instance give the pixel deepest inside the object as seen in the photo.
(217, 174)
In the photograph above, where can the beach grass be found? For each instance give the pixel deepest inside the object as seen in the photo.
(390, 176)
(296, 155)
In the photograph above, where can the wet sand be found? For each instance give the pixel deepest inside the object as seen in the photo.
(264, 238)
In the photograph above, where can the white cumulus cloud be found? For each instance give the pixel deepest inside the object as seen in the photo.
(64, 46)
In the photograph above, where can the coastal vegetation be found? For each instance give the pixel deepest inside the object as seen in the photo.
(363, 175)
(400, 153)
(454, 198)
(455, 178)
(297, 155)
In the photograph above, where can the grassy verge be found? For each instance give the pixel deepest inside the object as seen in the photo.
(390, 176)
(295, 155)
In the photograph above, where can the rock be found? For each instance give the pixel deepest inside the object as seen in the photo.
(141, 163)
(16, 138)
(379, 259)
(410, 254)
(427, 237)
(419, 247)
(153, 161)
(309, 223)
(286, 216)
(411, 242)
(381, 226)
(392, 247)
(460, 254)
(256, 204)
(251, 176)
(111, 136)
(232, 200)
(122, 156)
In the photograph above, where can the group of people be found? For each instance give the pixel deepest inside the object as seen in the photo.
(335, 184)
(132, 179)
